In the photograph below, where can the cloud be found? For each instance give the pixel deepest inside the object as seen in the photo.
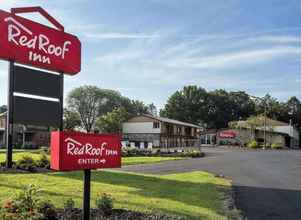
(233, 59)
(118, 57)
(121, 35)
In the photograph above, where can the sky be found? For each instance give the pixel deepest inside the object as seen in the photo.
(149, 49)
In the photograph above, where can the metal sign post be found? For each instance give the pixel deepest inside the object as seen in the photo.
(82, 151)
(9, 119)
(86, 198)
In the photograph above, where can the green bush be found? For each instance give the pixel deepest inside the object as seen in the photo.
(129, 151)
(26, 163)
(253, 144)
(27, 205)
(124, 152)
(105, 203)
(43, 161)
(23, 206)
(69, 204)
(47, 209)
(277, 146)
(45, 149)
(193, 154)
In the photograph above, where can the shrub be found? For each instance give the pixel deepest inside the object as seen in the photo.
(132, 151)
(196, 154)
(193, 154)
(47, 209)
(158, 152)
(45, 149)
(43, 161)
(276, 146)
(69, 204)
(23, 206)
(26, 163)
(28, 198)
(253, 144)
(124, 152)
(105, 203)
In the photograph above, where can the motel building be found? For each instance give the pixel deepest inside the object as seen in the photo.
(148, 131)
(277, 132)
(25, 136)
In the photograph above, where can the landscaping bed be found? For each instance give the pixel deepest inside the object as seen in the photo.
(194, 195)
(38, 160)
(117, 214)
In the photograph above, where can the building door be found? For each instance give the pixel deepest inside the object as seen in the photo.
(287, 141)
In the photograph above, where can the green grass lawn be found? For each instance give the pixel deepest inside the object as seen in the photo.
(145, 160)
(193, 194)
(35, 154)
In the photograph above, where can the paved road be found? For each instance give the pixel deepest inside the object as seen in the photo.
(267, 183)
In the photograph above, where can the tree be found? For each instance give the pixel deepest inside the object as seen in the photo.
(71, 119)
(138, 108)
(3, 109)
(115, 100)
(189, 105)
(112, 121)
(86, 100)
(293, 110)
(225, 107)
(209, 109)
(152, 109)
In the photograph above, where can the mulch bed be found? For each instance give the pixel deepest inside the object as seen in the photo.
(117, 214)
(16, 170)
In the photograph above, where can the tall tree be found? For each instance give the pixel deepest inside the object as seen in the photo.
(189, 104)
(86, 100)
(152, 109)
(71, 119)
(138, 108)
(293, 110)
(3, 109)
(112, 121)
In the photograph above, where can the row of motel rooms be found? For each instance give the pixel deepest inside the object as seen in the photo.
(148, 131)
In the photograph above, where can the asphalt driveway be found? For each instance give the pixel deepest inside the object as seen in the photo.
(267, 183)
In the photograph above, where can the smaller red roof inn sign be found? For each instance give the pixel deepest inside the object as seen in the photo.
(80, 151)
(31, 43)
(227, 134)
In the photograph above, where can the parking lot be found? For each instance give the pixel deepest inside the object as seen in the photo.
(267, 183)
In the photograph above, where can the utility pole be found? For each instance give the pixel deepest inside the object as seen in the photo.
(265, 124)
(265, 118)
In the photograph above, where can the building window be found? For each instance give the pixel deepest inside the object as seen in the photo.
(156, 125)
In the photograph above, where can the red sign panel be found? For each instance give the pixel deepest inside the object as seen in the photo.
(28, 42)
(227, 134)
(79, 151)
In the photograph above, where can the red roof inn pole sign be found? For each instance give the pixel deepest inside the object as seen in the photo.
(28, 42)
(80, 151)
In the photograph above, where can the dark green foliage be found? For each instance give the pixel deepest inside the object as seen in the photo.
(71, 119)
(105, 203)
(112, 121)
(23, 206)
(43, 161)
(215, 109)
(276, 146)
(253, 144)
(48, 211)
(69, 204)
(26, 163)
(86, 104)
(3, 109)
